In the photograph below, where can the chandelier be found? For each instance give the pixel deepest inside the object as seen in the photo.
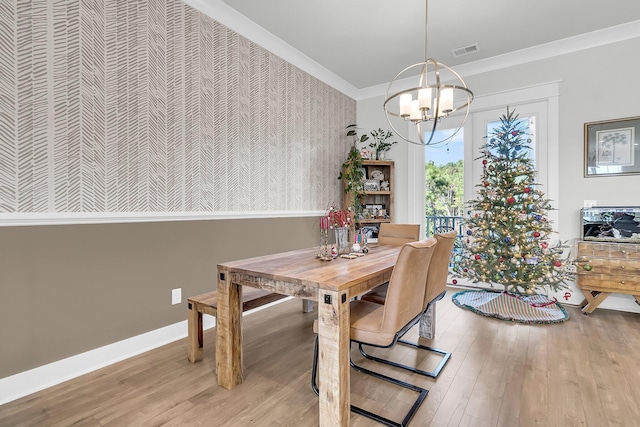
(437, 92)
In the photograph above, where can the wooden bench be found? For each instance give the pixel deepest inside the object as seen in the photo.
(208, 304)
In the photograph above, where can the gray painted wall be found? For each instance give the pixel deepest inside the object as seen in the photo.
(67, 289)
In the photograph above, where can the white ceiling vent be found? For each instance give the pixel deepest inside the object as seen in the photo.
(461, 51)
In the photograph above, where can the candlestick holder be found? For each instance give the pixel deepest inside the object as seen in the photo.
(323, 254)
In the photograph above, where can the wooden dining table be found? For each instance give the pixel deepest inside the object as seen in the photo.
(299, 273)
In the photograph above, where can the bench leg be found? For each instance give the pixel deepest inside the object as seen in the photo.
(195, 339)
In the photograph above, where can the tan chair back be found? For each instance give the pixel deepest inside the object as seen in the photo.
(439, 266)
(398, 234)
(406, 285)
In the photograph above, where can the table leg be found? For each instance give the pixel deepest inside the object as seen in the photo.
(229, 332)
(594, 299)
(333, 361)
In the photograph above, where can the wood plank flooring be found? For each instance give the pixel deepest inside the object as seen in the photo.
(583, 372)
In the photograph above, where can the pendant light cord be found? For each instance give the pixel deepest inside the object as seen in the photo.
(426, 22)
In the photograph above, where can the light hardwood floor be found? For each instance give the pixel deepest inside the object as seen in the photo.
(583, 372)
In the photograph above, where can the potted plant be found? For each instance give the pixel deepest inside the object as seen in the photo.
(380, 143)
(351, 173)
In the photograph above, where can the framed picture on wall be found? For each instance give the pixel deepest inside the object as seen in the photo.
(611, 147)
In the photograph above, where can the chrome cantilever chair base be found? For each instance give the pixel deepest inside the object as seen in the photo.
(422, 393)
(432, 374)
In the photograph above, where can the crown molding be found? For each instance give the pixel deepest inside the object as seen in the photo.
(242, 25)
(229, 17)
(618, 33)
(615, 34)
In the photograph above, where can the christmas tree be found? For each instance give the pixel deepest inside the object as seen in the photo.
(507, 237)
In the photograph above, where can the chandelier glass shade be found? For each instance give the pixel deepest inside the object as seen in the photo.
(437, 93)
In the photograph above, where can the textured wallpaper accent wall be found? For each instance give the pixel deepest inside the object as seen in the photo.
(151, 106)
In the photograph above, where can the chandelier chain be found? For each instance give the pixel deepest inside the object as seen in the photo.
(426, 24)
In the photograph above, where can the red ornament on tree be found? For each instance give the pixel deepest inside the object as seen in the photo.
(514, 133)
(536, 234)
(544, 245)
(484, 162)
(511, 200)
(477, 257)
(486, 183)
(454, 281)
(527, 190)
(557, 263)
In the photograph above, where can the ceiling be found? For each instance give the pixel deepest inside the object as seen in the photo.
(367, 42)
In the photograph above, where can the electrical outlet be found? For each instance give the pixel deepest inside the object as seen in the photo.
(590, 203)
(176, 296)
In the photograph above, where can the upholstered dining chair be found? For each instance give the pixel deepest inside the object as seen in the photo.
(435, 290)
(398, 234)
(394, 234)
(381, 325)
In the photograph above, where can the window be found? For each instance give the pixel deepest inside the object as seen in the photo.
(444, 181)
(528, 124)
(535, 116)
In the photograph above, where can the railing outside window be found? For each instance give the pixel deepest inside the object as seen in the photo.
(435, 224)
(439, 224)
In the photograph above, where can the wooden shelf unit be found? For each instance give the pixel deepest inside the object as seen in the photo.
(384, 198)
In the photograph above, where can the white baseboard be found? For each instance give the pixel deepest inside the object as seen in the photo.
(24, 383)
(620, 302)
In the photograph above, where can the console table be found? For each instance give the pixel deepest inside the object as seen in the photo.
(604, 268)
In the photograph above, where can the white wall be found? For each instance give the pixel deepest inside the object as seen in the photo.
(596, 84)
